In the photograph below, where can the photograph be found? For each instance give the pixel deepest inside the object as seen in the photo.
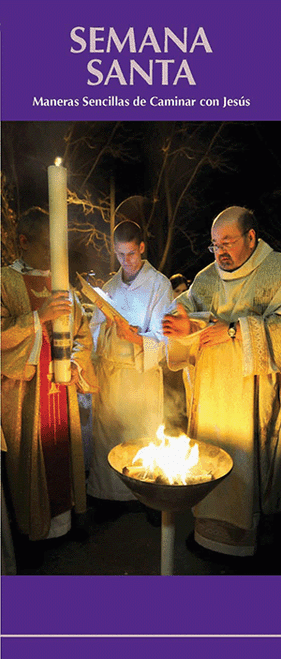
(140, 209)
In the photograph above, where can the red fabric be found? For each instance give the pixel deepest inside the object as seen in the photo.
(54, 428)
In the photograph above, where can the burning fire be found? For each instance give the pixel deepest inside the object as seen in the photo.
(170, 460)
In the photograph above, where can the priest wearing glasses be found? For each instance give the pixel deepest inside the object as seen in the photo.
(226, 334)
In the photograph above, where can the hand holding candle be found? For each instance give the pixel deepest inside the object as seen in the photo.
(55, 306)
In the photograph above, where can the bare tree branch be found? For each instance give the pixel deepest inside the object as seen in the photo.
(173, 216)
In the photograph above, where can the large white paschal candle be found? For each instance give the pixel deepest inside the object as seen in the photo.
(57, 182)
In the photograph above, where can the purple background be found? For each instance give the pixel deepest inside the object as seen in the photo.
(245, 37)
(141, 605)
(140, 648)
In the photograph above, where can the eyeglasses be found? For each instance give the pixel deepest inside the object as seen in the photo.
(228, 246)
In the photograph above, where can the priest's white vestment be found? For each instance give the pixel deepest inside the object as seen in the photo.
(233, 388)
(129, 405)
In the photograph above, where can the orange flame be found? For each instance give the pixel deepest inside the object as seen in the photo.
(173, 458)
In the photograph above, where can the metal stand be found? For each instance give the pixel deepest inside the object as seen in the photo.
(167, 542)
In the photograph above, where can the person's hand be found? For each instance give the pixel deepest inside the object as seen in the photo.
(128, 332)
(217, 333)
(176, 325)
(56, 305)
(108, 322)
(75, 377)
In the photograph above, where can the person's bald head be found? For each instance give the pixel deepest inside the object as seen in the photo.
(239, 215)
(234, 237)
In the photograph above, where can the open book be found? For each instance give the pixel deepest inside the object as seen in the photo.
(99, 298)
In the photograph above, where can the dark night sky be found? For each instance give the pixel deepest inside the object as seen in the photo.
(250, 176)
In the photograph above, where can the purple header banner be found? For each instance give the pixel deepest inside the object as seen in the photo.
(203, 60)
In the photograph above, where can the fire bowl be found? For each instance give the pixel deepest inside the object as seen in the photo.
(171, 497)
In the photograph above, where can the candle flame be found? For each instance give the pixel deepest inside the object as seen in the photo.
(58, 162)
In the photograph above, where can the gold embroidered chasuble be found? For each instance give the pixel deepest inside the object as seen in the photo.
(21, 406)
(233, 389)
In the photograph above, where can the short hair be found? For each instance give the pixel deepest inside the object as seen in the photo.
(126, 232)
(31, 223)
(178, 279)
(247, 221)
